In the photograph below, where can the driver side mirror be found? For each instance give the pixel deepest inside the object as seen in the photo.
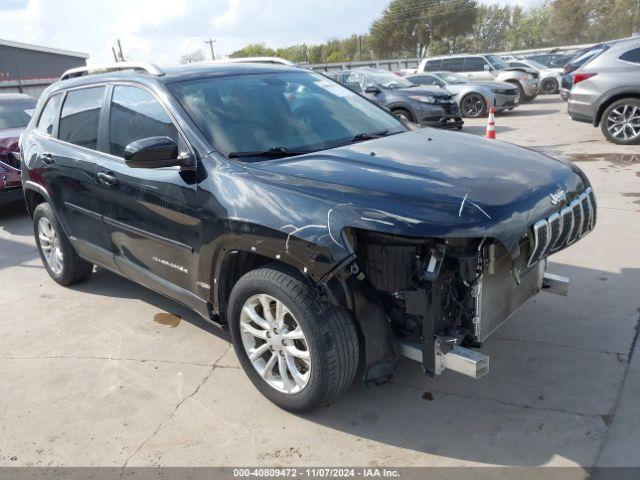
(156, 152)
(487, 67)
(373, 90)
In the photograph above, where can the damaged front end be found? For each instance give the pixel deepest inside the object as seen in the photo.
(433, 300)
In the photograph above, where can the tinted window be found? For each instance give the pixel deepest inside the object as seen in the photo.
(474, 64)
(433, 66)
(249, 113)
(456, 65)
(49, 113)
(80, 116)
(632, 56)
(16, 113)
(136, 114)
(426, 80)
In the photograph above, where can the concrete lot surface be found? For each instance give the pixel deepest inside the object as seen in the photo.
(105, 374)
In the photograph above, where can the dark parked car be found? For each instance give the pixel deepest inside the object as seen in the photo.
(328, 240)
(15, 113)
(427, 106)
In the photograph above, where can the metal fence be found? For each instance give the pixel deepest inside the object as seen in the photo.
(399, 64)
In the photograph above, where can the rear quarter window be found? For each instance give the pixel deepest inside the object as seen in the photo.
(632, 56)
(433, 65)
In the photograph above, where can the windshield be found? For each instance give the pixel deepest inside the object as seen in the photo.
(385, 80)
(293, 111)
(16, 113)
(453, 78)
(497, 62)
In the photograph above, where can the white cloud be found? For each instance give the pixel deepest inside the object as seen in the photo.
(162, 30)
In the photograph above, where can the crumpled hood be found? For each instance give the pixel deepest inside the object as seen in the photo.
(494, 85)
(421, 90)
(430, 183)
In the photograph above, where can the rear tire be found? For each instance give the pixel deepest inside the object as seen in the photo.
(622, 118)
(549, 86)
(58, 256)
(326, 336)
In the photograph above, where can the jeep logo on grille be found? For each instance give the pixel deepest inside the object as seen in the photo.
(557, 197)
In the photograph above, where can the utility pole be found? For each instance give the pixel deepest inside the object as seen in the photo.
(120, 50)
(211, 42)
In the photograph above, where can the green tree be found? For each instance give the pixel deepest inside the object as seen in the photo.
(409, 27)
(572, 21)
(530, 28)
(491, 29)
(254, 50)
(192, 57)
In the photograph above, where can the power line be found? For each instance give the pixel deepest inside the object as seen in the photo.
(423, 6)
(425, 17)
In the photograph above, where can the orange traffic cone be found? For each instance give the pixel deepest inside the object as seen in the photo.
(491, 126)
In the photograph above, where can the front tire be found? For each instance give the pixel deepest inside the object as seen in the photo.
(299, 352)
(473, 105)
(620, 122)
(403, 114)
(58, 256)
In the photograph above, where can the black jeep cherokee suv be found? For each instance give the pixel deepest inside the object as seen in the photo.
(325, 234)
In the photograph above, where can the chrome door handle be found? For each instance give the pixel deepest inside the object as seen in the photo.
(107, 178)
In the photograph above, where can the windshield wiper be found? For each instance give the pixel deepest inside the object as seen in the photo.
(359, 137)
(272, 152)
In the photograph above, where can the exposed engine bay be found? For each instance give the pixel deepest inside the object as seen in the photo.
(445, 296)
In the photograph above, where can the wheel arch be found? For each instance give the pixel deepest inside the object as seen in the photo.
(611, 98)
(235, 263)
(34, 195)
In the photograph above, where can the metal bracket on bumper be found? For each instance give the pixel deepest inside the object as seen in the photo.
(462, 360)
(555, 284)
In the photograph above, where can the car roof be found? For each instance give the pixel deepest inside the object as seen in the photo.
(172, 74)
(458, 55)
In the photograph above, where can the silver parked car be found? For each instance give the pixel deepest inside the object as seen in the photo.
(606, 92)
(473, 97)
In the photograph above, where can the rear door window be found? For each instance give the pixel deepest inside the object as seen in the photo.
(456, 64)
(47, 120)
(80, 117)
(136, 114)
(474, 64)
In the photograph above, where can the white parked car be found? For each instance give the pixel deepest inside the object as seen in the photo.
(550, 78)
(485, 67)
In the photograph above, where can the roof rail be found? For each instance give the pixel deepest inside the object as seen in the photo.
(112, 67)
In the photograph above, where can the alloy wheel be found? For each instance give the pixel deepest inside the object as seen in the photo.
(275, 344)
(472, 105)
(623, 122)
(50, 245)
(549, 86)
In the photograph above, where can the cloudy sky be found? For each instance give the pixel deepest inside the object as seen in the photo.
(161, 30)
